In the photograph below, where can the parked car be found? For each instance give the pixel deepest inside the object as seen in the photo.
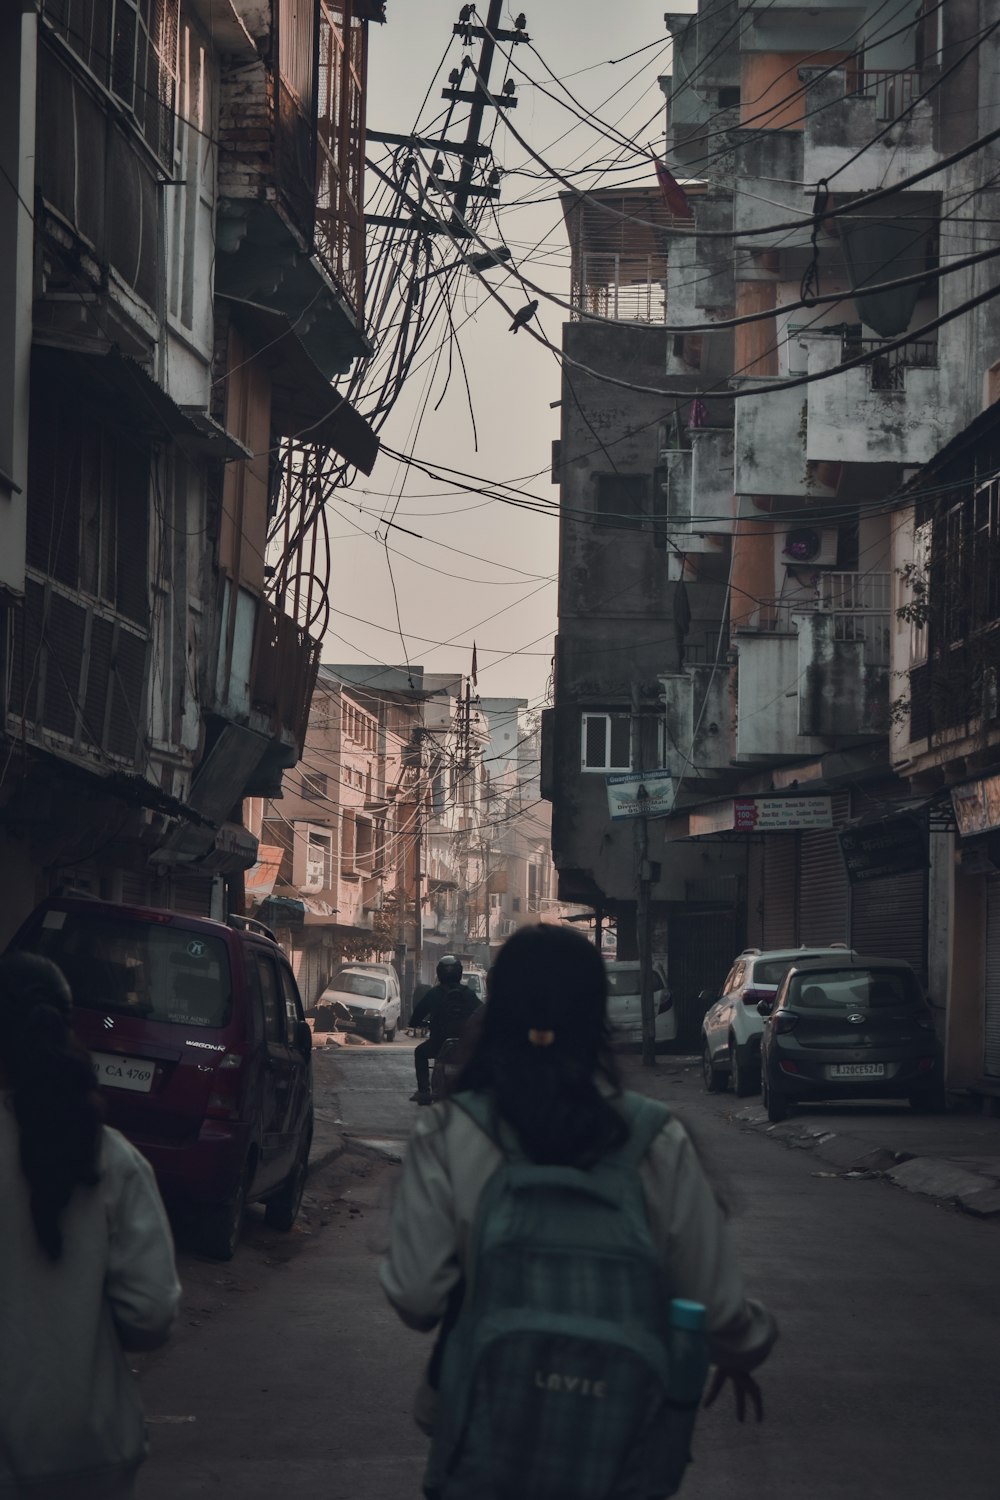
(850, 1028)
(389, 970)
(475, 979)
(201, 1048)
(625, 1006)
(731, 1030)
(363, 998)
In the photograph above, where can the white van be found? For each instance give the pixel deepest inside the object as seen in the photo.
(625, 1005)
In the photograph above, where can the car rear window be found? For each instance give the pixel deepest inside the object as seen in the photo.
(849, 989)
(475, 984)
(142, 969)
(369, 988)
(772, 971)
(623, 981)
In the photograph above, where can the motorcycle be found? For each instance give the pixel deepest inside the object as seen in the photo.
(445, 1070)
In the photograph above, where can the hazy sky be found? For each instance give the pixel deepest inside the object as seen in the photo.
(504, 597)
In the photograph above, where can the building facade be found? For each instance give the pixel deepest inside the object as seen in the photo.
(176, 197)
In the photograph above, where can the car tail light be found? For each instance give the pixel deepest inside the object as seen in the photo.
(751, 996)
(787, 1066)
(785, 1020)
(224, 1100)
(666, 1003)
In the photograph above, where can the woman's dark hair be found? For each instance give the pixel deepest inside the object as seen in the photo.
(543, 1044)
(55, 1096)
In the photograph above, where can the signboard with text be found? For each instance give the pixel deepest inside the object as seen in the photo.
(781, 814)
(762, 815)
(875, 851)
(648, 796)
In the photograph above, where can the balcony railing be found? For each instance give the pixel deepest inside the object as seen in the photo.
(887, 372)
(892, 90)
(858, 602)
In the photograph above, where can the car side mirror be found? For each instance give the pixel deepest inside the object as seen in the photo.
(765, 1007)
(303, 1037)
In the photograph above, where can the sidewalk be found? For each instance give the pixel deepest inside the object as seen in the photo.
(953, 1158)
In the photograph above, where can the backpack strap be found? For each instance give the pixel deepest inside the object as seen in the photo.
(645, 1119)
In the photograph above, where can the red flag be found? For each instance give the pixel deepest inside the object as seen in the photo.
(674, 195)
(474, 665)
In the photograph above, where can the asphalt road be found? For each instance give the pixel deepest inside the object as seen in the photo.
(884, 1384)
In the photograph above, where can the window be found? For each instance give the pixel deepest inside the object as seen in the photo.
(319, 860)
(348, 843)
(607, 742)
(131, 46)
(622, 500)
(729, 98)
(293, 1006)
(271, 997)
(314, 786)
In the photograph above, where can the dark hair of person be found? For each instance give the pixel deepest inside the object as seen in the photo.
(543, 1045)
(54, 1092)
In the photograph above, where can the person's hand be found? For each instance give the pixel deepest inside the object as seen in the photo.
(745, 1390)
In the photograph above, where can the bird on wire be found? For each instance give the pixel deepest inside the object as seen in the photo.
(525, 315)
(521, 22)
(465, 13)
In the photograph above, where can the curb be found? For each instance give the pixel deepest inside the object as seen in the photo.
(853, 1156)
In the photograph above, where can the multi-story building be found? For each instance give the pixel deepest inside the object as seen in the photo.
(182, 265)
(845, 146)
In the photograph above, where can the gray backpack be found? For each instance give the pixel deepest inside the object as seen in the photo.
(554, 1382)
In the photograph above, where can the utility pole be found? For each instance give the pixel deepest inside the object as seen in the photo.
(479, 98)
(644, 874)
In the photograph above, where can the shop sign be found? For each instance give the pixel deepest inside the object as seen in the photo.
(875, 851)
(648, 796)
(763, 815)
(780, 814)
(977, 806)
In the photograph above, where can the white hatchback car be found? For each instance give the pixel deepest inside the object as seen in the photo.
(731, 1030)
(625, 1006)
(365, 997)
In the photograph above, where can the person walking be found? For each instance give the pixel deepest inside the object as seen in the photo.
(444, 1010)
(541, 1090)
(86, 1258)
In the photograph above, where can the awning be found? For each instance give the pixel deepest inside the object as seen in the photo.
(259, 879)
(303, 400)
(106, 370)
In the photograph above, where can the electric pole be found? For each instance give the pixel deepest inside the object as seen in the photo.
(479, 98)
(644, 874)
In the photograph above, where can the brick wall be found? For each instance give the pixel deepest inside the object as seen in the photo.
(246, 133)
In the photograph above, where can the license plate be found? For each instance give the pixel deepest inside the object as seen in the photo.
(123, 1072)
(856, 1070)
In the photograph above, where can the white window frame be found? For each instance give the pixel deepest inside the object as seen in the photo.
(607, 767)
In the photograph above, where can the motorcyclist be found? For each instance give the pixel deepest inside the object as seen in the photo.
(444, 1010)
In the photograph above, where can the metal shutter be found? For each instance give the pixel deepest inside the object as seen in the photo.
(889, 918)
(991, 983)
(780, 892)
(824, 894)
(192, 894)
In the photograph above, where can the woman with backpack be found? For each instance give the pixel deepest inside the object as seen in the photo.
(86, 1258)
(546, 1220)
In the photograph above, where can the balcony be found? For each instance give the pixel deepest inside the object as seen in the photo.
(812, 671)
(697, 715)
(893, 91)
(891, 409)
(845, 111)
(697, 485)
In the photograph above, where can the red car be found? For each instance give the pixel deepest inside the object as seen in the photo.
(202, 1050)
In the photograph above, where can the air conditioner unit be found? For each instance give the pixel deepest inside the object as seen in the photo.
(810, 546)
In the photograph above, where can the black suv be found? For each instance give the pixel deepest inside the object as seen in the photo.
(849, 1028)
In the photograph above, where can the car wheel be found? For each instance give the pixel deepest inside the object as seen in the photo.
(220, 1224)
(744, 1082)
(281, 1211)
(776, 1104)
(713, 1081)
(390, 1035)
(378, 1034)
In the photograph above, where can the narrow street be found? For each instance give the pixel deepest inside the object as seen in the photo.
(299, 1378)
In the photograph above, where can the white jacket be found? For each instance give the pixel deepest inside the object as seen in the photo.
(450, 1160)
(70, 1416)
